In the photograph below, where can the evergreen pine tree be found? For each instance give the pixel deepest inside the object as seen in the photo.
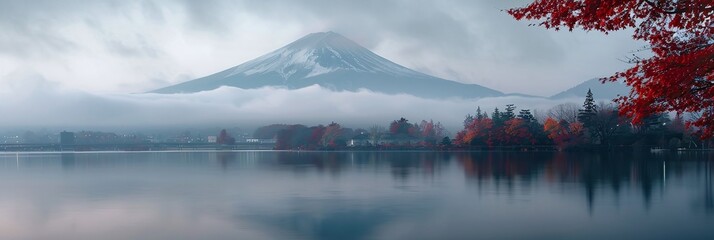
(526, 115)
(677, 125)
(509, 113)
(586, 114)
(533, 126)
(479, 115)
(468, 120)
(496, 116)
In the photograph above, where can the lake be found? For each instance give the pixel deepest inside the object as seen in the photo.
(356, 195)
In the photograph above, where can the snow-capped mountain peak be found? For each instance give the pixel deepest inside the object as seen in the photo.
(320, 53)
(335, 62)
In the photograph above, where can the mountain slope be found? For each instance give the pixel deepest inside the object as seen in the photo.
(608, 90)
(334, 62)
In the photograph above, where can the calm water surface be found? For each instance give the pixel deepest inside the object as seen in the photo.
(356, 195)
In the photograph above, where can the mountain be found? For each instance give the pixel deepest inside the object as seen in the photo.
(608, 90)
(334, 62)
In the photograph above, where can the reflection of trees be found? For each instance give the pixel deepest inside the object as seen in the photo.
(68, 160)
(596, 174)
(331, 162)
(708, 190)
(405, 164)
(402, 165)
(603, 171)
(498, 165)
(706, 201)
(226, 158)
(503, 167)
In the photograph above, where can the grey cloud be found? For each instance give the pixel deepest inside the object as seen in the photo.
(372, 21)
(463, 40)
(14, 42)
(140, 49)
(212, 15)
(152, 11)
(428, 25)
(28, 29)
(447, 26)
(134, 46)
(37, 28)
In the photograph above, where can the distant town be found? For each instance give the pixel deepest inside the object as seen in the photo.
(103, 141)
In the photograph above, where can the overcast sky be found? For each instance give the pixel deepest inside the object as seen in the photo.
(135, 46)
(77, 65)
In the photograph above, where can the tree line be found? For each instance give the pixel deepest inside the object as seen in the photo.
(401, 133)
(565, 126)
(568, 126)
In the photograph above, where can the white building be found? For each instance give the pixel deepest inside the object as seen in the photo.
(260, 140)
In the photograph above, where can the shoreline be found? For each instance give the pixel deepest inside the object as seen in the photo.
(450, 150)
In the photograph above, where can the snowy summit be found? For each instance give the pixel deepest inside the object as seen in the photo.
(332, 61)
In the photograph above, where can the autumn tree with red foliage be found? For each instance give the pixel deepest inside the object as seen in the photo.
(402, 127)
(477, 132)
(333, 135)
(680, 75)
(316, 134)
(431, 132)
(224, 138)
(310, 138)
(516, 132)
(504, 129)
(563, 133)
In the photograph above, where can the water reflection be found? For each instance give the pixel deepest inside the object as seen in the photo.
(595, 173)
(706, 202)
(356, 195)
(67, 160)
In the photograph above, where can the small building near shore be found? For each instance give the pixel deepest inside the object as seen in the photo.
(260, 140)
(361, 140)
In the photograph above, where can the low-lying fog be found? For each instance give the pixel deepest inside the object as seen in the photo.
(32, 101)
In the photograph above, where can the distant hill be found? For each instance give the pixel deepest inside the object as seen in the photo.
(608, 90)
(334, 62)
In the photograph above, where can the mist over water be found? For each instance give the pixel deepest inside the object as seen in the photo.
(356, 195)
